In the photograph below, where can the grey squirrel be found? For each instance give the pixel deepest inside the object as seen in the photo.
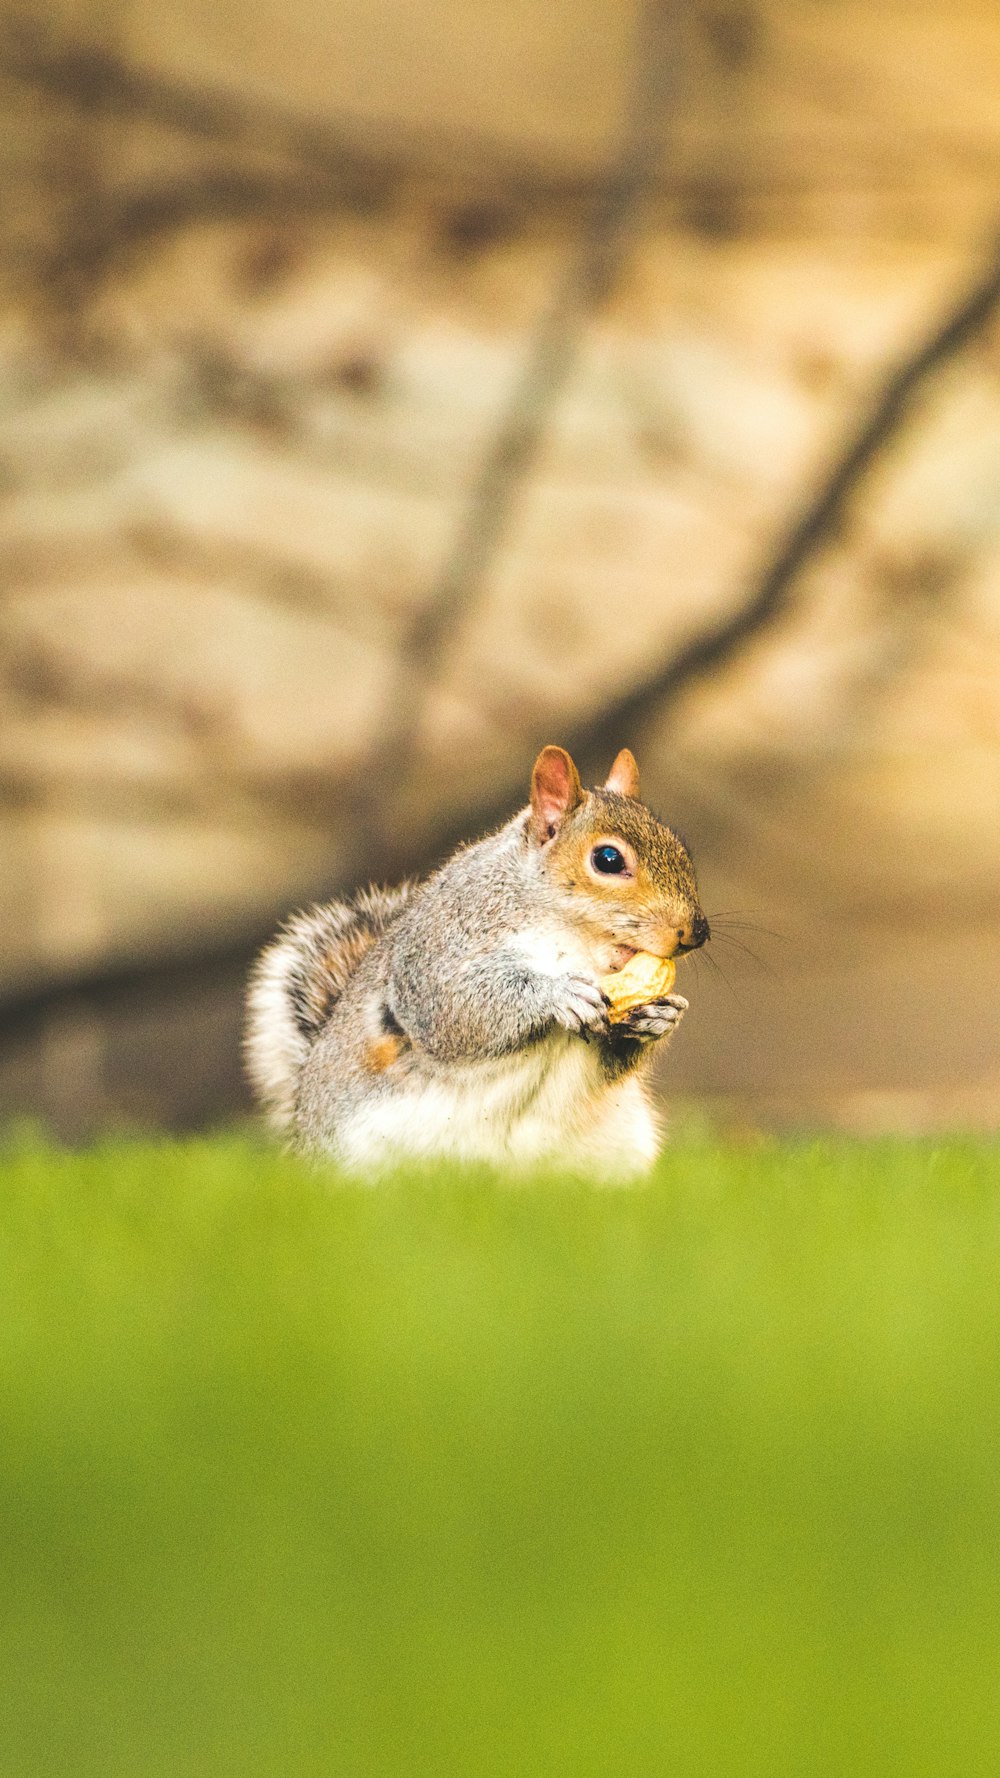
(462, 1017)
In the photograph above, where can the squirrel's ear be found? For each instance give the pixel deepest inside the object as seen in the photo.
(555, 790)
(624, 775)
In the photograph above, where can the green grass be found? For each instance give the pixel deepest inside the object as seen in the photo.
(454, 1477)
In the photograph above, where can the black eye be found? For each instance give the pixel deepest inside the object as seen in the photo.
(608, 860)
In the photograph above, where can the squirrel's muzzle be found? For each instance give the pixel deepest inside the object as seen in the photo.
(694, 933)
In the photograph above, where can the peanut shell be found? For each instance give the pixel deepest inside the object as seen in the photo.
(644, 978)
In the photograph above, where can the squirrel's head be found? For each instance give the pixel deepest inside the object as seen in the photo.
(614, 868)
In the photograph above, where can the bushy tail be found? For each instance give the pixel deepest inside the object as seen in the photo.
(297, 981)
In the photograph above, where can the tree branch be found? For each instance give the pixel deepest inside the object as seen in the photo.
(360, 161)
(815, 522)
(591, 275)
(103, 230)
(119, 981)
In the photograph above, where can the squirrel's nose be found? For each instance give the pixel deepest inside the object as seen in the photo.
(693, 934)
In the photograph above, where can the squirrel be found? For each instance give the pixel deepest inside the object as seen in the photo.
(461, 1017)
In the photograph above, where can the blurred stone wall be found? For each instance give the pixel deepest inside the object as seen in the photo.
(270, 279)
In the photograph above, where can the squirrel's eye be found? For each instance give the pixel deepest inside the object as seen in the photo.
(608, 860)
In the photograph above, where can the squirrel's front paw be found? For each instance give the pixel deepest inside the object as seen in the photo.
(657, 1019)
(579, 1005)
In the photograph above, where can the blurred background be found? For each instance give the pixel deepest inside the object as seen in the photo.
(386, 390)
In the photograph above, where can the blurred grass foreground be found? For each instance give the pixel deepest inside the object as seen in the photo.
(699, 1479)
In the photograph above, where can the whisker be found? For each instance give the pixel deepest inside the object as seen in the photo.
(744, 924)
(723, 977)
(736, 932)
(728, 938)
(763, 964)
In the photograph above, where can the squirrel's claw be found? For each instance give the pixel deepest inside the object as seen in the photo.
(656, 1019)
(580, 1005)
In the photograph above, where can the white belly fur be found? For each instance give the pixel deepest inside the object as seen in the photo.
(547, 1106)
